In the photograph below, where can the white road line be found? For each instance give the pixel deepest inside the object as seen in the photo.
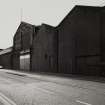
(85, 103)
(5, 100)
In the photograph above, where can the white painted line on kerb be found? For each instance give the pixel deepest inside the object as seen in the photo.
(84, 103)
(5, 100)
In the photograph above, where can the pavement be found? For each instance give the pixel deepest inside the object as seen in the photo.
(20, 88)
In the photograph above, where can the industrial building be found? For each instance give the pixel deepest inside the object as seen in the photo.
(81, 41)
(75, 46)
(22, 43)
(34, 48)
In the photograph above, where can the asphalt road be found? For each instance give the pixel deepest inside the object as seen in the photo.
(26, 89)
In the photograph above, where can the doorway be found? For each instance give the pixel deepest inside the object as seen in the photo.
(25, 62)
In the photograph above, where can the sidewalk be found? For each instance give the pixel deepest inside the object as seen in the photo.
(45, 75)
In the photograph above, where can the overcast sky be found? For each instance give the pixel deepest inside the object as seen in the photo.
(35, 12)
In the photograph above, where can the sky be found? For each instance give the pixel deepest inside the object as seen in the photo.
(35, 12)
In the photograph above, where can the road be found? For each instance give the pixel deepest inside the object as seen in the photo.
(36, 89)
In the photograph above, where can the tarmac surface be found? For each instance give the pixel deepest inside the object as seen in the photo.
(19, 88)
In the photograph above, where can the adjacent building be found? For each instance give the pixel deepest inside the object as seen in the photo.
(22, 43)
(75, 46)
(44, 50)
(5, 58)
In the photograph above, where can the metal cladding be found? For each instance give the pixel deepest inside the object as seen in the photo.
(23, 36)
(5, 58)
(22, 45)
(75, 46)
(44, 50)
(80, 41)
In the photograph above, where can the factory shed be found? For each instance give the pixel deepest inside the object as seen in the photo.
(81, 41)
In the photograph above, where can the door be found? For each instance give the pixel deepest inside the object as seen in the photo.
(25, 62)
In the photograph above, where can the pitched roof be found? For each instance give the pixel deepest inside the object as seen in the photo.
(7, 50)
(82, 7)
(23, 25)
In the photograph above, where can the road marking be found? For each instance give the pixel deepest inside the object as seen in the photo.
(5, 100)
(85, 103)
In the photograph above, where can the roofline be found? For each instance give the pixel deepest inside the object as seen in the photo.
(7, 50)
(88, 6)
(48, 25)
(73, 9)
(22, 22)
